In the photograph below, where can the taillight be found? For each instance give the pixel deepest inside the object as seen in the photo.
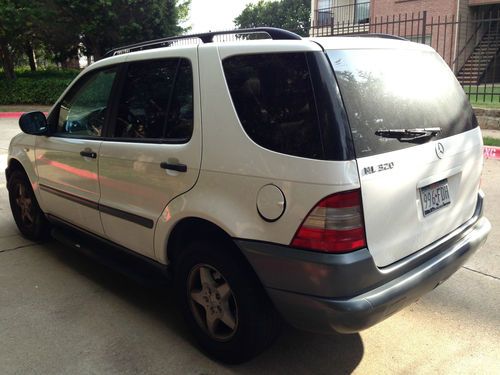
(335, 225)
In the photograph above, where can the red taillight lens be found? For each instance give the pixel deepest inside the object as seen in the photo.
(335, 225)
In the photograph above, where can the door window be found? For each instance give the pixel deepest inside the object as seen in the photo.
(83, 111)
(156, 101)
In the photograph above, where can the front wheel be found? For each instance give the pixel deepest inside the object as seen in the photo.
(224, 304)
(28, 216)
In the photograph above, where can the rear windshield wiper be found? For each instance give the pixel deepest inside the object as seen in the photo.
(417, 135)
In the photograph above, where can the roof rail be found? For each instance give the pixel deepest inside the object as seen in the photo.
(274, 33)
(379, 35)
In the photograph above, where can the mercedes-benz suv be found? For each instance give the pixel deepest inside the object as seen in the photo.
(326, 181)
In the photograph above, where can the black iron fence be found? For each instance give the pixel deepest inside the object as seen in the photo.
(469, 45)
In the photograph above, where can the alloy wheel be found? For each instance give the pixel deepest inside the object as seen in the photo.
(212, 302)
(25, 204)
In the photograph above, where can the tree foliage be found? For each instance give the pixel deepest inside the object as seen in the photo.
(63, 28)
(16, 25)
(292, 15)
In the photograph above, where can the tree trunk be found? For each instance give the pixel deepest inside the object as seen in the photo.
(31, 56)
(8, 66)
(97, 54)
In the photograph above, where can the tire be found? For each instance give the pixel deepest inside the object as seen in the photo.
(242, 322)
(29, 218)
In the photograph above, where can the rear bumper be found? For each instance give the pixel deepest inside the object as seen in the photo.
(347, 292)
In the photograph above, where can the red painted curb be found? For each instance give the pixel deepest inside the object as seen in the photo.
(491, 152)
(14, 114)
(10, 114)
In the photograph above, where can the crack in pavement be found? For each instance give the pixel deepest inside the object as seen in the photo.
(16, 248)
(481, 273)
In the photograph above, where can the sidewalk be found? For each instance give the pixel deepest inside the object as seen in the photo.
(491, 133)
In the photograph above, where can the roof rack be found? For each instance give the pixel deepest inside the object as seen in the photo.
(379, 35)
(274, 33)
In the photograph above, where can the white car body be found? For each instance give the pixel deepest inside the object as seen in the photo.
(254, 194)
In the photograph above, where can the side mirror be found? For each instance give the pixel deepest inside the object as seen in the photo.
(33, 123)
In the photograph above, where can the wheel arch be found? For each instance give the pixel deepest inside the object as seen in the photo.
(194, 228)
(13, 165)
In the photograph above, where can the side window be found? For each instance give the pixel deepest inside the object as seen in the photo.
(156, 101)
(274, 100)
(83, 111)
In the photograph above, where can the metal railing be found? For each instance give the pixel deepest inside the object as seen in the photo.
(469, 45)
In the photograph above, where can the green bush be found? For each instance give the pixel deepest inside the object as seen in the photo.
(41, 87)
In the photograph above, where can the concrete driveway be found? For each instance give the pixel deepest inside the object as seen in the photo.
(62, 313)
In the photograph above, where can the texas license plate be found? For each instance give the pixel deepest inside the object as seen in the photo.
(435, 196)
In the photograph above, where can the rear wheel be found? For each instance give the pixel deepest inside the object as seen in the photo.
(27, 214)
(224, 304)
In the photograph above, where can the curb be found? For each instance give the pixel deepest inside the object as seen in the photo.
(10, 114)
(491, 152)
(14, 114)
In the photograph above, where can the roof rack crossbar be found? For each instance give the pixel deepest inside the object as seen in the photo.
(274, 33)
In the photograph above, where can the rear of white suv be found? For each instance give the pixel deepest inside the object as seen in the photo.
(339, 181)
(361, 255)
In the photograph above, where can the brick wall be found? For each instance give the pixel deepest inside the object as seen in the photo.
(442, 38)
(434, 8)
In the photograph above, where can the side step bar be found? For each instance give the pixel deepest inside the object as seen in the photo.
(136, 267)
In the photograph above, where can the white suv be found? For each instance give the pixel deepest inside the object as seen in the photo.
(326, 181)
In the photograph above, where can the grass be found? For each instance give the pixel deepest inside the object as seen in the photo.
(488, 141)
(484, 96)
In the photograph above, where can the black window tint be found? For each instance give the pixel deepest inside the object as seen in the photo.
(82, 112)
(274, 99)
(156, 101)
(180, 112)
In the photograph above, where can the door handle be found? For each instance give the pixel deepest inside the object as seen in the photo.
(174, 166)
(88, 154)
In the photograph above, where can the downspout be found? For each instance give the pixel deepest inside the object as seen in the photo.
(456, 37)
(314, 5)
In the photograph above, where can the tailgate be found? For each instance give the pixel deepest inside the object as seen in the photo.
(415, 190)
(395, 199)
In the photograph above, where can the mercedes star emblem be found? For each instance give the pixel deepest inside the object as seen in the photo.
(439, 150)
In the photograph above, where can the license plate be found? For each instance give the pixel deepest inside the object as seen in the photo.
(434, 197)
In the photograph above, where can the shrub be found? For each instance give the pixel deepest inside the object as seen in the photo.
(41, 87)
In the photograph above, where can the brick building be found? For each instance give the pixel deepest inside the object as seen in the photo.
(465, 32)
(327, 12)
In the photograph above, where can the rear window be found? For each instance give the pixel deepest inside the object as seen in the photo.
(289, 103)
(398, 89)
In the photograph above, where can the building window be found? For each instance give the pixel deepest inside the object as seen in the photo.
(324, 13)
(362, 11)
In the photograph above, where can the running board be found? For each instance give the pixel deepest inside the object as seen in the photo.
(136, 267)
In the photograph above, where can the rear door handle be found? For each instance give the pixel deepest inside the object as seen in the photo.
(174, 166)
(88, 154)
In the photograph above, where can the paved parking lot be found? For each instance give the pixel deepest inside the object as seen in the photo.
(62, 313)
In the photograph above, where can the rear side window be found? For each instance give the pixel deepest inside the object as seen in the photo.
(274, 99)
(156, 101)
(388, 89)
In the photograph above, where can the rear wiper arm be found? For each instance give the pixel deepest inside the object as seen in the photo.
(409, 135)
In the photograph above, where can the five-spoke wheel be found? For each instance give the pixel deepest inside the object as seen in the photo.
(212, 302)
(27, 214)
(223, 302)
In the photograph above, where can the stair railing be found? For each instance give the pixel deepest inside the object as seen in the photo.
(466, 46)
